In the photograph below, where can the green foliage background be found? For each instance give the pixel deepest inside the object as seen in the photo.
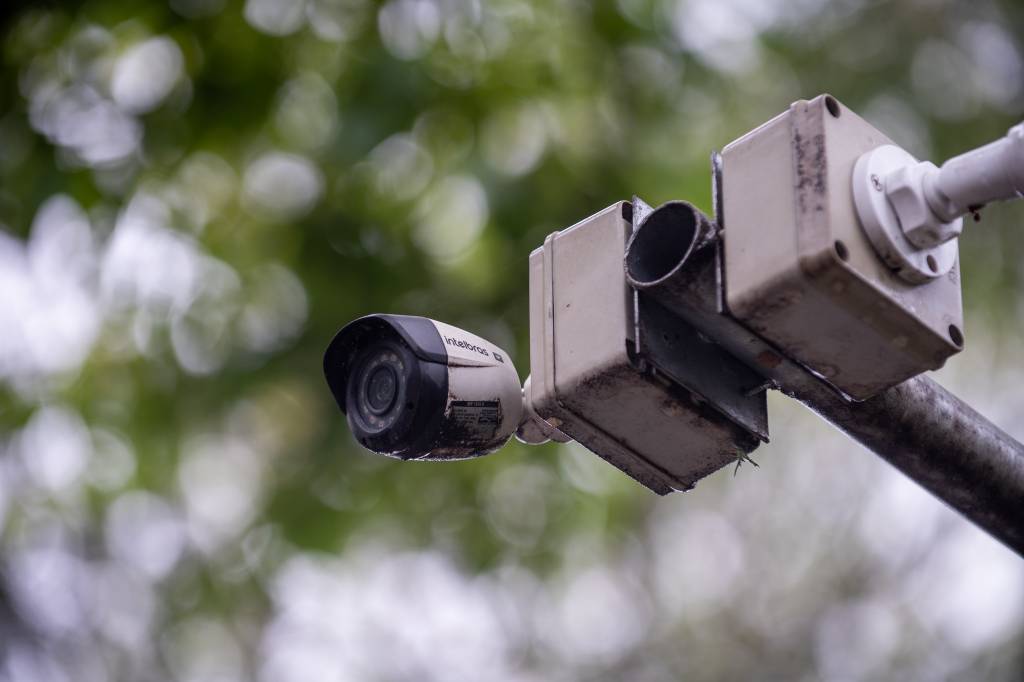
(422, 150)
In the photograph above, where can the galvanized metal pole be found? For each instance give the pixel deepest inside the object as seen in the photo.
(945, 445)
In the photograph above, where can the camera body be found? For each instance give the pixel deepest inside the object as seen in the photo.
(415, 388)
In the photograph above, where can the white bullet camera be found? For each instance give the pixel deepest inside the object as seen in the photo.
(414, 388)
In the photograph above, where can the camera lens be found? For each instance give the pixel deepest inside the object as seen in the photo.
(381, 382)
(381, 389)
(389, 375)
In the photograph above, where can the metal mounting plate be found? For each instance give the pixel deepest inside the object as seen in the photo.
(694, 361)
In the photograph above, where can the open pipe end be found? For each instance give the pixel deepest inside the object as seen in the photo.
(663, 242)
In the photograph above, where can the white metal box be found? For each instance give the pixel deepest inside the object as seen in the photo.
(801, 272)
(583, 379)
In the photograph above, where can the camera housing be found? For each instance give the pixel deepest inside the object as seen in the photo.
(631, 381)
(416, 388)
(802, 273)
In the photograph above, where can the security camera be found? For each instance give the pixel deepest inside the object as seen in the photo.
(415, 388)
(656, 332)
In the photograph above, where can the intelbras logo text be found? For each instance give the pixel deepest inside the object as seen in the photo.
(471, 347)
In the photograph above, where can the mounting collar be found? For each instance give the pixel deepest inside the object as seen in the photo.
(895, 214)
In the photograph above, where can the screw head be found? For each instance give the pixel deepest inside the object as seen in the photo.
(876, 182)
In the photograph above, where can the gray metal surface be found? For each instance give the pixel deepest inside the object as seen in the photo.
(945, 445)
(695, 362)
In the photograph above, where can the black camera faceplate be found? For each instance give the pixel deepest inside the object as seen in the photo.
(412, 350)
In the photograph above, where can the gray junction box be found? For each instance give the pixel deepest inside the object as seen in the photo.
(801, 272)
(648, 409)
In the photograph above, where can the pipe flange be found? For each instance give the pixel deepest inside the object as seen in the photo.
(882, 225)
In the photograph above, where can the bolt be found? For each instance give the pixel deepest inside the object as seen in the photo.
(876, 183)
(761, 388)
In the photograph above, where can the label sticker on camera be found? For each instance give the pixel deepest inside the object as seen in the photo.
(474, 419)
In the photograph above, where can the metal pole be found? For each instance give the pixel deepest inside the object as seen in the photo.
(945, 445)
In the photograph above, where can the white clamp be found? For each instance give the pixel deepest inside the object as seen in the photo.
(912, 211)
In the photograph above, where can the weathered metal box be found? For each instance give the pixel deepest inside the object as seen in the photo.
(586, 380)
(799, 269)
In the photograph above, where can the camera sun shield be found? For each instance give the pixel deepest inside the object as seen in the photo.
(415, 388)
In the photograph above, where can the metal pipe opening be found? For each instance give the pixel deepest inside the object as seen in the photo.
(662, 243)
